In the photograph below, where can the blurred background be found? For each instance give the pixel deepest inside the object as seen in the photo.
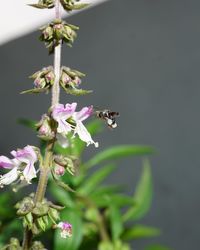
(142, 59)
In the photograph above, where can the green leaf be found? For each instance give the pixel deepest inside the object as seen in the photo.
(79, 6)
(74, 91)
(105, 190)
(140, 231)
(38, 6)
(35, 91)
(118, 200)
(61, 196)
(157, 247)
(27, 123)
(117, 152)
(73, 216)
(116, 222)
(143, 195)
(95, 179)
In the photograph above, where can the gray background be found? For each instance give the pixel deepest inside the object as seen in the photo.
(142, 58)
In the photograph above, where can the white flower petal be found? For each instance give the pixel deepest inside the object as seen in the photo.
(10, 177)
(83, 134)
(29, 173)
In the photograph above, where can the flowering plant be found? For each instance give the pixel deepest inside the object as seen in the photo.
(83, 214)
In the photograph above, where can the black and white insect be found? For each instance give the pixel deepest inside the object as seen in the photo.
(108, 116)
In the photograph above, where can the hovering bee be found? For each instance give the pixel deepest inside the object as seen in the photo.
(108, 116)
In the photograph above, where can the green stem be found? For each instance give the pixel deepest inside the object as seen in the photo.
(41, 189)
(45, 167)
(100, 218)
(44, 172)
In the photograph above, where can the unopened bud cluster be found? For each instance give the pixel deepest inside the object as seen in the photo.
(68, 5)
(56, 32)
(43, 80)
(70, 81)
(63, 163)
(37, 216)
(44, 4)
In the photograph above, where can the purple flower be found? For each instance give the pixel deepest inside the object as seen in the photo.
(70, 121)
(66, 229)
(61, 114)
(22, 166)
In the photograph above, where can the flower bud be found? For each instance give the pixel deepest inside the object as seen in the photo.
(25, 206)
(56, 32)
(39, 83)
(49, 77)
(59, 170)
(64, 163)
(47, 32)
(77, 81)
(45, 131)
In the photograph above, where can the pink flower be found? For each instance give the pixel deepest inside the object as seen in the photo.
(80, 129)
(70, 121)
(66, 229)
(22, 166)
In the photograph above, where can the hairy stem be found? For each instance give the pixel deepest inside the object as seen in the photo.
(45, 167)
(57, 61)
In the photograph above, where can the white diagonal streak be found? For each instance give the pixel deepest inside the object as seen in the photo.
(17, 18)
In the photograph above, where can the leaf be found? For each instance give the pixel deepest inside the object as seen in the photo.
(27, 123)
(105, 190)
(38, 6)
(157, 247)
(73, 216)
(143, 195)
(95, 179)
(77, 92)
(79, 6)
(140, 231)
(117, 152)
(119, 200)
(116, 222)
(35, 91)
(61, 196)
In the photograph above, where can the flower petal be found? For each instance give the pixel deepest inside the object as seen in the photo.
(83, 134)
(26, 155)
(29, 172)
(61, 114)
(83, 114)
(10, 177)
(5, 162)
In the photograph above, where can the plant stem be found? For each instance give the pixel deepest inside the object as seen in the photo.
(100, 218)
(46, 164)
(57, 62)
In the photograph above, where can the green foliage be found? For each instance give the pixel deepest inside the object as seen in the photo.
(143, 195)
(118, 152)
(102, 215)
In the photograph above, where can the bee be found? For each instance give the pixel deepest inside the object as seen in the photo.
(108, 116)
